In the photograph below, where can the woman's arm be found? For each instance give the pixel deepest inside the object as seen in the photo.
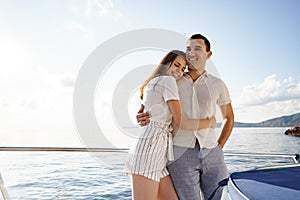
(182, 122)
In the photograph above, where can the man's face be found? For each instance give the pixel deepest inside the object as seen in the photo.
(196, 54)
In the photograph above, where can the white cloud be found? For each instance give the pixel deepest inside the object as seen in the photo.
(270, 90)
(67, 81)
(269, 99)
(50, 81)
(37, 88)
(77, 27)
(39, 100)
(4, 103)
(102, 8)
(30, 104)
(74, 26)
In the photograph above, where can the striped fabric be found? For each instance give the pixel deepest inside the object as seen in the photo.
(151, 153)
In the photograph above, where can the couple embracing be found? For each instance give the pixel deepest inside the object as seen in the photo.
(178, 155)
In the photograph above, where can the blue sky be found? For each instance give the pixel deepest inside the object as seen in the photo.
(44, 44)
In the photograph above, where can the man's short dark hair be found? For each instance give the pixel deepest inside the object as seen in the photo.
(199, 36)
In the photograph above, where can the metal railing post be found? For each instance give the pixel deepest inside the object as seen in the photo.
(3, 189)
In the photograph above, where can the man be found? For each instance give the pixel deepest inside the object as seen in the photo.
(199, 161)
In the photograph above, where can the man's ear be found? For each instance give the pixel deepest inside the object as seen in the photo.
(209, 54)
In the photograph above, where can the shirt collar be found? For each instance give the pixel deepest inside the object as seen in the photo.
(200, 78)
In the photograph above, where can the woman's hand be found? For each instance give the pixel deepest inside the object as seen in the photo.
(213, 122)
(142, 118)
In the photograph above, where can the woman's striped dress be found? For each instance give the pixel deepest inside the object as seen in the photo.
(154, 148)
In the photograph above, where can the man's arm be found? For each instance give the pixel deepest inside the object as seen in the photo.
(142, 118)
(228, 117)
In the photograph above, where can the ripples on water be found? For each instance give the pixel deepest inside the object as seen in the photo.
(64, 175)
(69, 175)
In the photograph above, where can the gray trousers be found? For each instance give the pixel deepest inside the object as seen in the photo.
(196, 172)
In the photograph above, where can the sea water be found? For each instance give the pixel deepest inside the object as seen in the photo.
(82, 175)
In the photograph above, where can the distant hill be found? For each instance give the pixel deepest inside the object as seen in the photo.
(283, 121)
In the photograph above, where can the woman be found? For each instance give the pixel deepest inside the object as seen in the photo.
(148, 160)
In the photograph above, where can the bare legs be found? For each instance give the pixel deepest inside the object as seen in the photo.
(166, 190)
(144, 188)
(148, 189)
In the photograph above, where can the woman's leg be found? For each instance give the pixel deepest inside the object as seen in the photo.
(166, 190)
(144, 188)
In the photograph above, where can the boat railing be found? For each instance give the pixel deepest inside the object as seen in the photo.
(295, 157)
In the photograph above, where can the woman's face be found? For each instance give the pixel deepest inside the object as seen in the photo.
(177, 68)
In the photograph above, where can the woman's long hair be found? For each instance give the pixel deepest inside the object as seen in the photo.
(163, 66)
